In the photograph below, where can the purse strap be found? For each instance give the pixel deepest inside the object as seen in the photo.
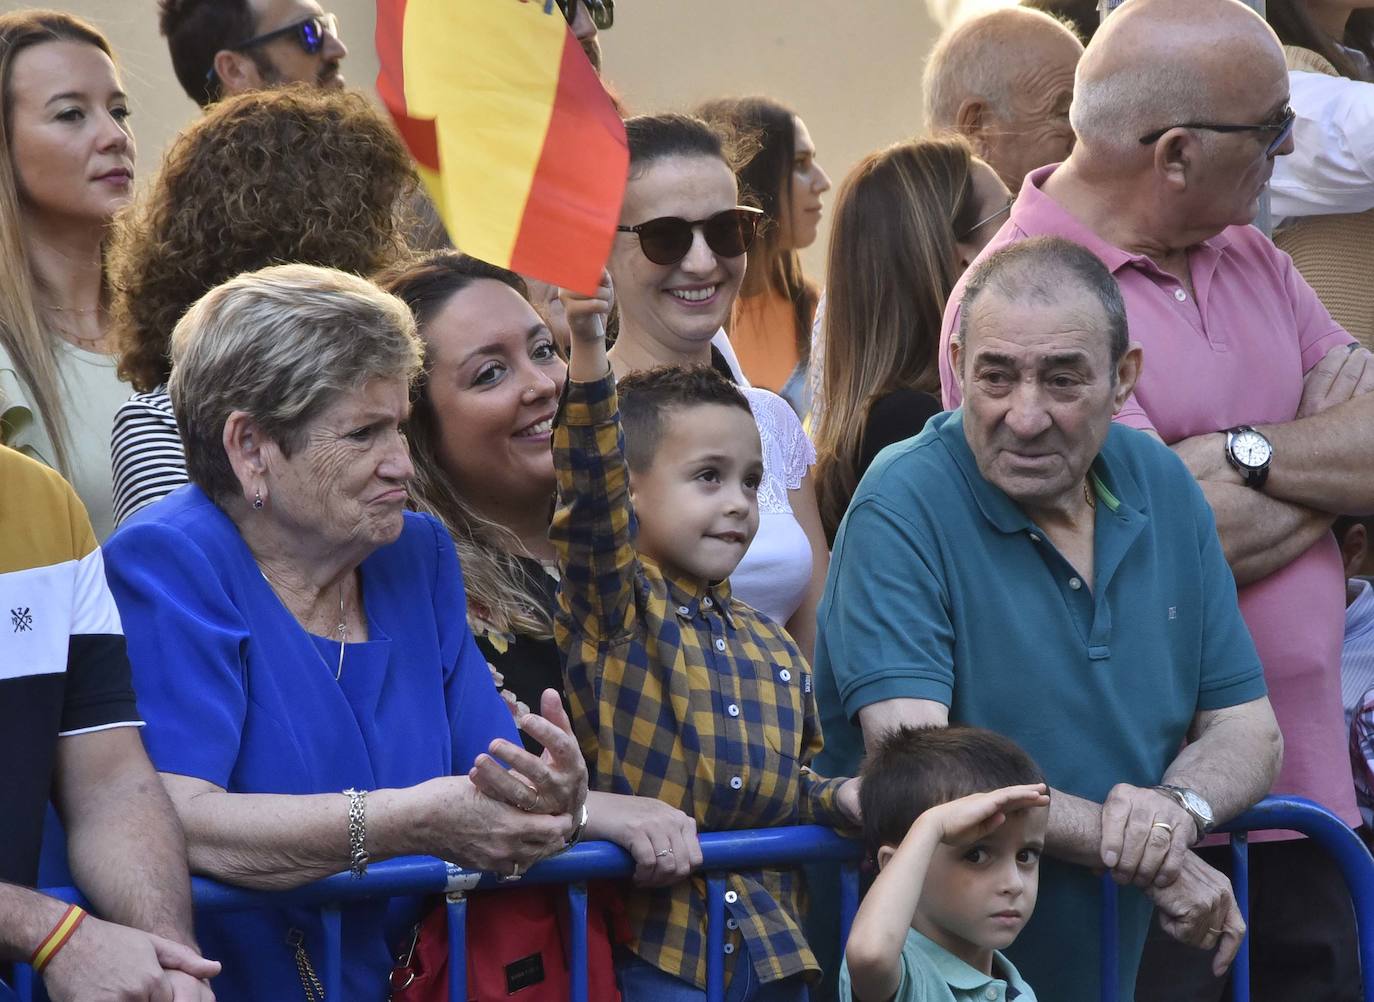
(310, 983)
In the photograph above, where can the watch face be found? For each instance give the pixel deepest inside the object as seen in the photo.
(1251, 449)
(1197, 805)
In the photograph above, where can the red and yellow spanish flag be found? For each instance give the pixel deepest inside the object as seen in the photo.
(516, 140)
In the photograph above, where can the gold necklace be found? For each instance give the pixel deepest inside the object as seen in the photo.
(1089, 496)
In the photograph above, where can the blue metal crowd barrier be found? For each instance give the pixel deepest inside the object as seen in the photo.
(727, 851)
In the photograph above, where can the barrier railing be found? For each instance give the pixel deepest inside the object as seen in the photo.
(1273, 813)
(724, 852)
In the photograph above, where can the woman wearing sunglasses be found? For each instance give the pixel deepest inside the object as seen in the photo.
(908, 220)
(1323, 198)
(677, 266)
(770, 328)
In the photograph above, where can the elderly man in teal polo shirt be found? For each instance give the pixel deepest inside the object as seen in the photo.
(1028, 566)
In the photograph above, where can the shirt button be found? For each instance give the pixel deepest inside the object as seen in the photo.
(731, 897)
(1075, 583)
(729, 948)
(733, 710)
(785, 675)
(707, 601)
(1181, 296)
(1034, 538)
(990, 994)
(720, 644)
(731, 924)
(682, 610)
(736, 783)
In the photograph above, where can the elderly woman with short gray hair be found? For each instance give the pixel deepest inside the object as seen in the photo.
(313, 696)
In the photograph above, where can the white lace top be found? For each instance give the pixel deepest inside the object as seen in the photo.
(774, 574)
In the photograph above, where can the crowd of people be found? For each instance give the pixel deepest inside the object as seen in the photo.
(1032, 544)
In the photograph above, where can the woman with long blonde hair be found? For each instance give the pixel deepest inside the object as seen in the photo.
(66, 166)
(908, 220)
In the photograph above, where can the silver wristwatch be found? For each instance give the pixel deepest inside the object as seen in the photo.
(1249, 452)
(1192, 802)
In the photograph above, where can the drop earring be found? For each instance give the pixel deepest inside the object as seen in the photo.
(257, 500)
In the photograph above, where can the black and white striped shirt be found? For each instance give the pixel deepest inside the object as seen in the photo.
(146, 452)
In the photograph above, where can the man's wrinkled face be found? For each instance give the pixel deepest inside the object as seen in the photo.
(1040, 392)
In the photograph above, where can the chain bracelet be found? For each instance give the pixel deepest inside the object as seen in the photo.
(357, 829)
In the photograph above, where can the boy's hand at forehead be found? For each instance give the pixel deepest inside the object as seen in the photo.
(971, 818)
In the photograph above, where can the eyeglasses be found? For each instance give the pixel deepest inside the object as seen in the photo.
(1282, 129)
(985, 220)
(602, 11)
(667, 240)
(308, 34)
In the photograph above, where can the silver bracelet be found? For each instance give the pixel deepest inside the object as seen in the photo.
(357, 829)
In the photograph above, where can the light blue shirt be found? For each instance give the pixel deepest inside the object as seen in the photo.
(930, 973)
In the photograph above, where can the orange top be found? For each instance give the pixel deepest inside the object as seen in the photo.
(763, 334)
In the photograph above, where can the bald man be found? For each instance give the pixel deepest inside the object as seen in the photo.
(1004, 80)
(1179, 111)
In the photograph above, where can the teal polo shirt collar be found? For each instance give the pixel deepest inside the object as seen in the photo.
(1121, 518)
(967, 982)
(1115, 486)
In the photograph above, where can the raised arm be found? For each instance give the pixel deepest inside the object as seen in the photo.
(873, 954)
(592, 527)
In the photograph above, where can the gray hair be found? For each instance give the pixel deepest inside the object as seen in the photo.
(280, 344)
(1110, 113)
(971, 60)
(1035, 270)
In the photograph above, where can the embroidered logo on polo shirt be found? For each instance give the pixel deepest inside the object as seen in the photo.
(1173, 612)
(21, 619)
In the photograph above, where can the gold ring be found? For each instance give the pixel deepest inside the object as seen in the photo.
(1217, 931)
(663, 852)
(534, 800)
(1165, 825)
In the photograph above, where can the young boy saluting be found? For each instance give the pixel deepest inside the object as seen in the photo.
(956, 817)
(679, 691)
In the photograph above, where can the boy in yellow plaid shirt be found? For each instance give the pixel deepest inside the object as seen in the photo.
(678, 690)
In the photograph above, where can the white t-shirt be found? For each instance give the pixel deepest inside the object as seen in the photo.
(1331, 168)
(774, 575)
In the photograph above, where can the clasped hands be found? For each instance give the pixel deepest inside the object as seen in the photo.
(1146, 841)
(552, 784)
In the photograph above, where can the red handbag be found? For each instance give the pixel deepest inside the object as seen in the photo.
(518, 947)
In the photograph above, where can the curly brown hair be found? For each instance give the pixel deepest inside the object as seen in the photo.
(293, 175)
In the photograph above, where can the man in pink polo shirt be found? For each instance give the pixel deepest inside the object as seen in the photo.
(1179, 111)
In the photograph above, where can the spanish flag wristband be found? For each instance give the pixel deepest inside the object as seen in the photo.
(55, 940)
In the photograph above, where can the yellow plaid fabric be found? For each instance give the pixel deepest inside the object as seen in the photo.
(680, 692)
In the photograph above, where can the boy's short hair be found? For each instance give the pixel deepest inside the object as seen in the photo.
(647, 398)
(916, 768)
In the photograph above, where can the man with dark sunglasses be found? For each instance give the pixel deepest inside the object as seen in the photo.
(223, 47)
(1180, 110)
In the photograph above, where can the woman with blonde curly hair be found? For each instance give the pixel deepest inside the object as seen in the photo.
(66, 166)
(296, 175)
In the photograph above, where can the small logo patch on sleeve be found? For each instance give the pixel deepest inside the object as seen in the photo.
(806, 682)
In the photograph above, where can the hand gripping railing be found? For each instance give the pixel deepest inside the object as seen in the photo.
(1273, 813)
(724, 852)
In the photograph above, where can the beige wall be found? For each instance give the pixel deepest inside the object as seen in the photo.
(851, 70)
